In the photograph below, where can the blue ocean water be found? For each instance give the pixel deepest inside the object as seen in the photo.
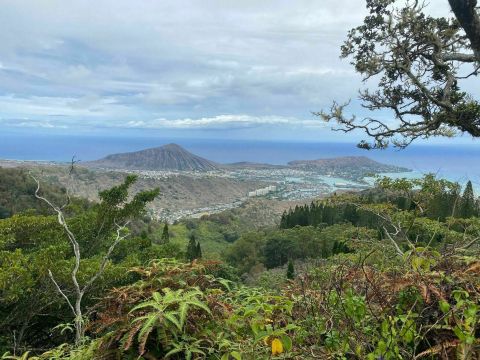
(458, 162)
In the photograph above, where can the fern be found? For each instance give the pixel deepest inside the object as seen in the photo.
(168, 313)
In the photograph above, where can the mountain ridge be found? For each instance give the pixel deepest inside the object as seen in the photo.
(343, 160)
(347, 167)
(167, 157)
(175, 158)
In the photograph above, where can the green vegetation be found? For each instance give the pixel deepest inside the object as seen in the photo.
(165, 234)
(379, 274)
(194, 250)
(387, 274)
(290, 270)
(37, 259)
(442, 200)
(17, 190)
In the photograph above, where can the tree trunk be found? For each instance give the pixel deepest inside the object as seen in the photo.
(21, 334)
(79, 326)
(466, 13)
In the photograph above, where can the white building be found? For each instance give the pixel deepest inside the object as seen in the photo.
(262, 192)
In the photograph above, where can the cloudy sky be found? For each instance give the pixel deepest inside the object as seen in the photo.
(234, 69)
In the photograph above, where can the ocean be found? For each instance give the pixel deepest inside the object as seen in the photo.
(458, 163)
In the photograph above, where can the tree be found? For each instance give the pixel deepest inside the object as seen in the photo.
(290, 270)
(198, 251)
(165, 234)
(115, 214)
(421, 63)
(468, 203)
(283, 220)
(193, 249)
(277, 250)
(247, 251)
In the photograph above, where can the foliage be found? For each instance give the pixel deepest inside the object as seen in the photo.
(384, 277)
(194, 250)
(469, 205)
(352, 306)
(165, 234)
(428, 197)
(420, 63)
(33, 245)
(214, 237)
(273, 248)
(164, 315)
(168, 311)
(17, 194)
(247, 252)
(290, 270)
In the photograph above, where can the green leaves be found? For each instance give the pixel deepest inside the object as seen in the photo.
(365, 302)
(466, 315)
(402, 47)
(260, 318)
(444, 306)
(33, 245)
(355, 306)
(168, 312)
(422, 259)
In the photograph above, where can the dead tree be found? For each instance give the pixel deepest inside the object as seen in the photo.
(79, 290)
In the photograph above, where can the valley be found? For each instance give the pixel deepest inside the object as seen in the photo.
(191, 187)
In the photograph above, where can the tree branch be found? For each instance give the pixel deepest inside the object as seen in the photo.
(70, 235)
(467, 58)
(394, 243)
(61, 292)
(101, 269)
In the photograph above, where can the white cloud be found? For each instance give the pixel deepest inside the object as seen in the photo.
(32, 123)
(228, 121)
(113, 61)
(219, 122)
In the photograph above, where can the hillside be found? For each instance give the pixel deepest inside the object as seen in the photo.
(180, 194)
(17, 193)
(166, 157)
(347, 167)
(350, 162)
(261, 290)
(172, 157)
(251, 165)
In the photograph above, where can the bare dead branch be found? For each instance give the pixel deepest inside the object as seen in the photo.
(106, 258)
(79, 291)
(61, 292)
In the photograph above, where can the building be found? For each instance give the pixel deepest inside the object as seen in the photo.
(262, 192)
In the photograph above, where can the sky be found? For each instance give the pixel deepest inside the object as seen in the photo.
(220, 69)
